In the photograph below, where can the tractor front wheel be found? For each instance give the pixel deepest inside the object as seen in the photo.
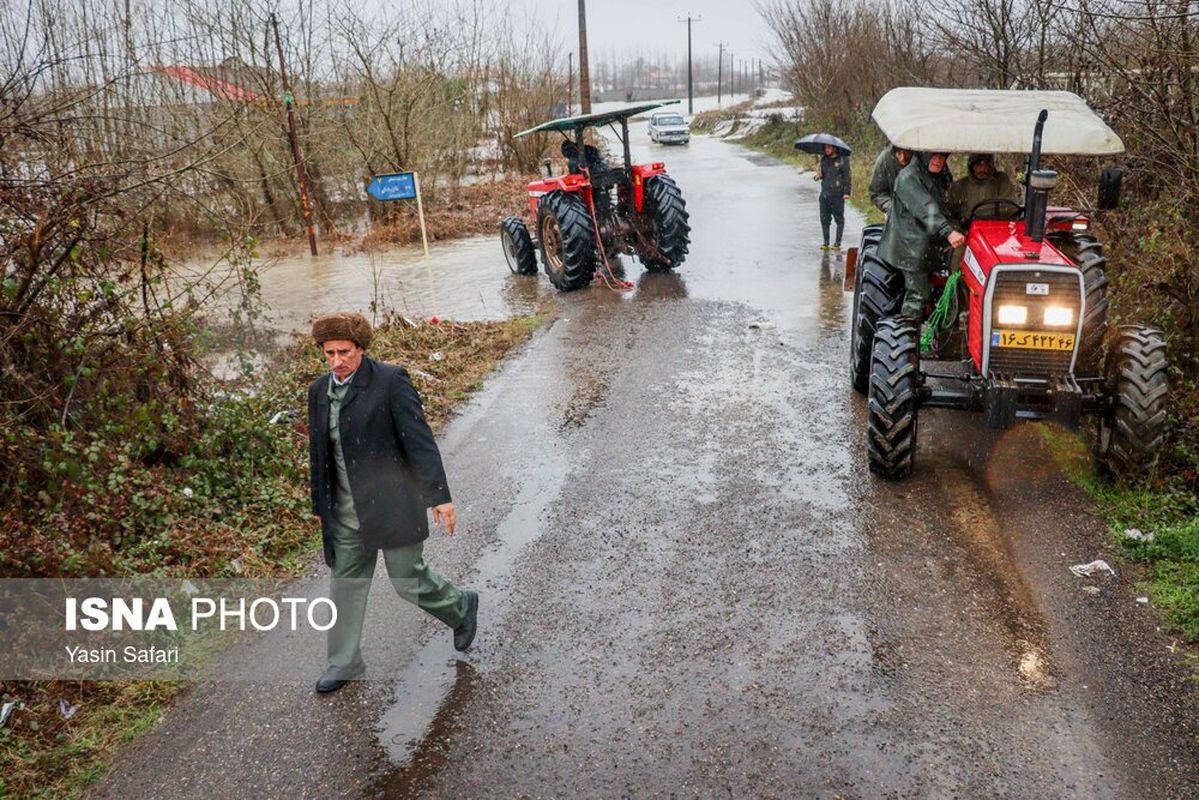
(669, 232)
(878, 293)
(567, 240)
(518, 247)
(1131, 432)
(893, 405)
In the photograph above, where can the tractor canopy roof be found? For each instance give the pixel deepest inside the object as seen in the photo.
(992, 121)
(568, 124)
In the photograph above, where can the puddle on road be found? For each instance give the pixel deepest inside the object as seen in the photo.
(430, 753)
(416, 731)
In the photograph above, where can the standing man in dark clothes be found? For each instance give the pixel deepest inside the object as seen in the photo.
(916, 226)
(886, 169)
(375, 470)
(834, 191)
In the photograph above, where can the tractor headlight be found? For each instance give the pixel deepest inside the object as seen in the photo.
(1013, 315)
(1059, 315)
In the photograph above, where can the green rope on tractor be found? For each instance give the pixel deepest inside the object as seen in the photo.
(940, 319)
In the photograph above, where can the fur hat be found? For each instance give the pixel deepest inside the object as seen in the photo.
(349, 326)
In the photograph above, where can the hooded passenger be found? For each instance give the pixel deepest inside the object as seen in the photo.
(916, 225)
(886, 169)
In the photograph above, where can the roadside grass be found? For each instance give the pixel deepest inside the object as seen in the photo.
(265, 532)
(1165, 510)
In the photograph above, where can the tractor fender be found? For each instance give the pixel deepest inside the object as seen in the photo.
(642, 173)
(574, 183)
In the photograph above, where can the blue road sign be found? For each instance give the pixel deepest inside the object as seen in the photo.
(398, 186)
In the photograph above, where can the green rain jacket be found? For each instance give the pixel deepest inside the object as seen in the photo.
(916, 220)
(882, 182)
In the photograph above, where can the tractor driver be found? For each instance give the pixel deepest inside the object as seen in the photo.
(595, 160)
(981, 183)
(916, 226)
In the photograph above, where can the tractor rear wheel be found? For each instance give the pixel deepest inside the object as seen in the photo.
(1087, 252)
(870, 237)
(518, 246)
(670, 232)
(893, 406)
(1094, 322)
(1131, 432)
(567, 240)
(878, 294)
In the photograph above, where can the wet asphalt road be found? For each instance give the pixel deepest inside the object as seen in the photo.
(692, 587)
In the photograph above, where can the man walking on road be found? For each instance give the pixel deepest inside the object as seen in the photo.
(916, 226)
(834, 180)
(886, 169)
(375, 469)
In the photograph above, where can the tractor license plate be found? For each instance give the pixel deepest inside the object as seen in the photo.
(1033, 340)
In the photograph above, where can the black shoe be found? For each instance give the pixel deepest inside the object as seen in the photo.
(337, 677)
(464, 634)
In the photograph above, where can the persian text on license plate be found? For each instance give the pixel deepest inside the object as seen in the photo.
(1033, 340)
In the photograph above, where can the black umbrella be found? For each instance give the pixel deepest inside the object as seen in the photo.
(814, 143)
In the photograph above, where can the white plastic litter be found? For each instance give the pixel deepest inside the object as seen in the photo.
(188, 492)
(66, 709)
(1091, 590)
(1143, 601)
(8, 708)
(1094, 568)
(1138, 535)
(436, 357)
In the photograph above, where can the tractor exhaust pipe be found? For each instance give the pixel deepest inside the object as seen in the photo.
(1037, 183)
(1040, 183)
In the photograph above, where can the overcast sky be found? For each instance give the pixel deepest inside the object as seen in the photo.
(652, 25)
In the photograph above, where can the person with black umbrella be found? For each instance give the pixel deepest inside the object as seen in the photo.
(834, 177)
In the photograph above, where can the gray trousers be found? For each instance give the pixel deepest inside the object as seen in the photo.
(413, 579)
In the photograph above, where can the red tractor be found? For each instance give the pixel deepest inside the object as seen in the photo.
(1021, 332)
(595, 210)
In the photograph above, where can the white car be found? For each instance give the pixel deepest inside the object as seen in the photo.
(669, 127)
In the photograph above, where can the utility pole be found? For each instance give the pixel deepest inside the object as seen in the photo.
(584, 77)
(570, 85)
(719, 71)
(732, 77)
(689, 20)
(296, 155)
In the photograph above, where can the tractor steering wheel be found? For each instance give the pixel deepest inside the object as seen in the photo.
(997, 202)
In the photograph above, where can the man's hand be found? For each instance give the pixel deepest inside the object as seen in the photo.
(956, 239)
(846, 197)
(445, 512)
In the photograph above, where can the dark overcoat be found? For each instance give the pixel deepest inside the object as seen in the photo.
(392, 460)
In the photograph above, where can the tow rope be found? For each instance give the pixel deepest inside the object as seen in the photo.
(939, 320)
(605, 274)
